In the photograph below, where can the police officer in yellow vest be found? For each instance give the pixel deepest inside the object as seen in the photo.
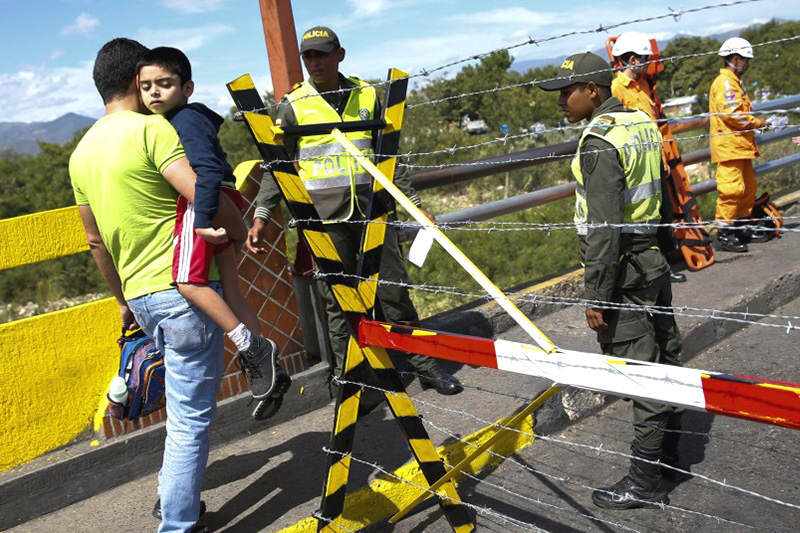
(339, 187)
(618, 170)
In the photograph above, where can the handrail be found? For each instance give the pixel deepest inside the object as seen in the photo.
(479, 168)
(565, 190)
(684, 124)
(428, 179)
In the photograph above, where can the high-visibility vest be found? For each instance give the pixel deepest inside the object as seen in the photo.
(638, 143)
(332, 177)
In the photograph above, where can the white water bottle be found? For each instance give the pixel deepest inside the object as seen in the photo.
(118, 391)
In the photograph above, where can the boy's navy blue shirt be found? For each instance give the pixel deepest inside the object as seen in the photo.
(197, 127)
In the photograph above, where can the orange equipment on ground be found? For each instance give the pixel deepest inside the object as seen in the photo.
(694, 243)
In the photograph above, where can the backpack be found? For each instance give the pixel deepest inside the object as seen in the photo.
(768, 213)
(141, 365)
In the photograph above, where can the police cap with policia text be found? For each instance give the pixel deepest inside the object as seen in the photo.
(580, 68)
(319, 38)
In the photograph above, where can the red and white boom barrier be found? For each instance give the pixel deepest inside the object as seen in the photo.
(771, 402)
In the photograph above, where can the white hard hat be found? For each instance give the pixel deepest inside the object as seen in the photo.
(632, 41)
(736, 45)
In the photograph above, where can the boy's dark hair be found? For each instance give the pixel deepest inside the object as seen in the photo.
(115, 67)
(170, 59)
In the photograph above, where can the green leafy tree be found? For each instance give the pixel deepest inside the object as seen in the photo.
(774, 66)
(689, 76)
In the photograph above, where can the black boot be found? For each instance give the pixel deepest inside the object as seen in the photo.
(676, 277)
(748, 234)
(440, 380)
(727, 241)
(642, 487)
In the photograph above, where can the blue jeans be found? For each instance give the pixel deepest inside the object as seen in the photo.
(192, 346)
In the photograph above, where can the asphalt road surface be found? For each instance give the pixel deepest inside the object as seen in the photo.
(548, 485)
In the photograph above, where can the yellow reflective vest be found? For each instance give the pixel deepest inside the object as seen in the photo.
(638, 143)
(333, 178)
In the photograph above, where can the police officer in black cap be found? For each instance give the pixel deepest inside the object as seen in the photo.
(339, 188)
(618, 170)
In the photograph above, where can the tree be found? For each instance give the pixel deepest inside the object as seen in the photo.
(692, 75)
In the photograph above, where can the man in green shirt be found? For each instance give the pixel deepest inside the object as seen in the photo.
(127, 172)
(324, 98)
(617, 204)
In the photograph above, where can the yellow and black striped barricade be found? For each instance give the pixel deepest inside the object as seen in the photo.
(356, 299)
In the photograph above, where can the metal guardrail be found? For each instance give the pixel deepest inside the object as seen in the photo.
(684, 124)
(479, 168)
(564, 190)
(428, 179)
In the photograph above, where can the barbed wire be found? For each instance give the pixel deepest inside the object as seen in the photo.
(598, 449)
(528, 399)
(648, 145)
(318, 516)
(477, 508)
(673, 13)
(557, 129)
(536, 501)
(714, 314)
(501, 226)
(533, 83)
(560, 129)
(566, 479)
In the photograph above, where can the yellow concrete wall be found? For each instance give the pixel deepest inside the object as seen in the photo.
(54, 372)
(41, 236)
(54, 368)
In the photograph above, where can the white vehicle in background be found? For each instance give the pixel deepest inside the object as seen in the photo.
(473, 125)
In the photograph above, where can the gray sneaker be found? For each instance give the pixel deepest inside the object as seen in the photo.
(258, 362)
(268, 407)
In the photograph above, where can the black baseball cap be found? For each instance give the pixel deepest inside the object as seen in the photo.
(319, 38)
(580, 68)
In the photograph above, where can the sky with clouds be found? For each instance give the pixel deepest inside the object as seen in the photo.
(49, 45)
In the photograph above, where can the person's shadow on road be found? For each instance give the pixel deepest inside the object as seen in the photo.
(293, 482)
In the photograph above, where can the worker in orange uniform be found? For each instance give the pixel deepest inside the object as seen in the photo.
(733, 147)
(631, 87)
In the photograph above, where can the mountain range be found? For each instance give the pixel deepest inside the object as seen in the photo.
(22, 137)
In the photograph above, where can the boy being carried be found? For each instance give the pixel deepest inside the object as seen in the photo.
(165, 82)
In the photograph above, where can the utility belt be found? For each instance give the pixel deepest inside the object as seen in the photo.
(634, 243)
(632, 274)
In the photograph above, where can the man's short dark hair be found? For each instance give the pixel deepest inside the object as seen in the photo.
(170, 59)
(115, 67)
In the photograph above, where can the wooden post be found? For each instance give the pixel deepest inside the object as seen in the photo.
(281, 38)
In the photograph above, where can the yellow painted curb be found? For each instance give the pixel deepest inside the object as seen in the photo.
(387, 495)
(41, 236)
(54, 371)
